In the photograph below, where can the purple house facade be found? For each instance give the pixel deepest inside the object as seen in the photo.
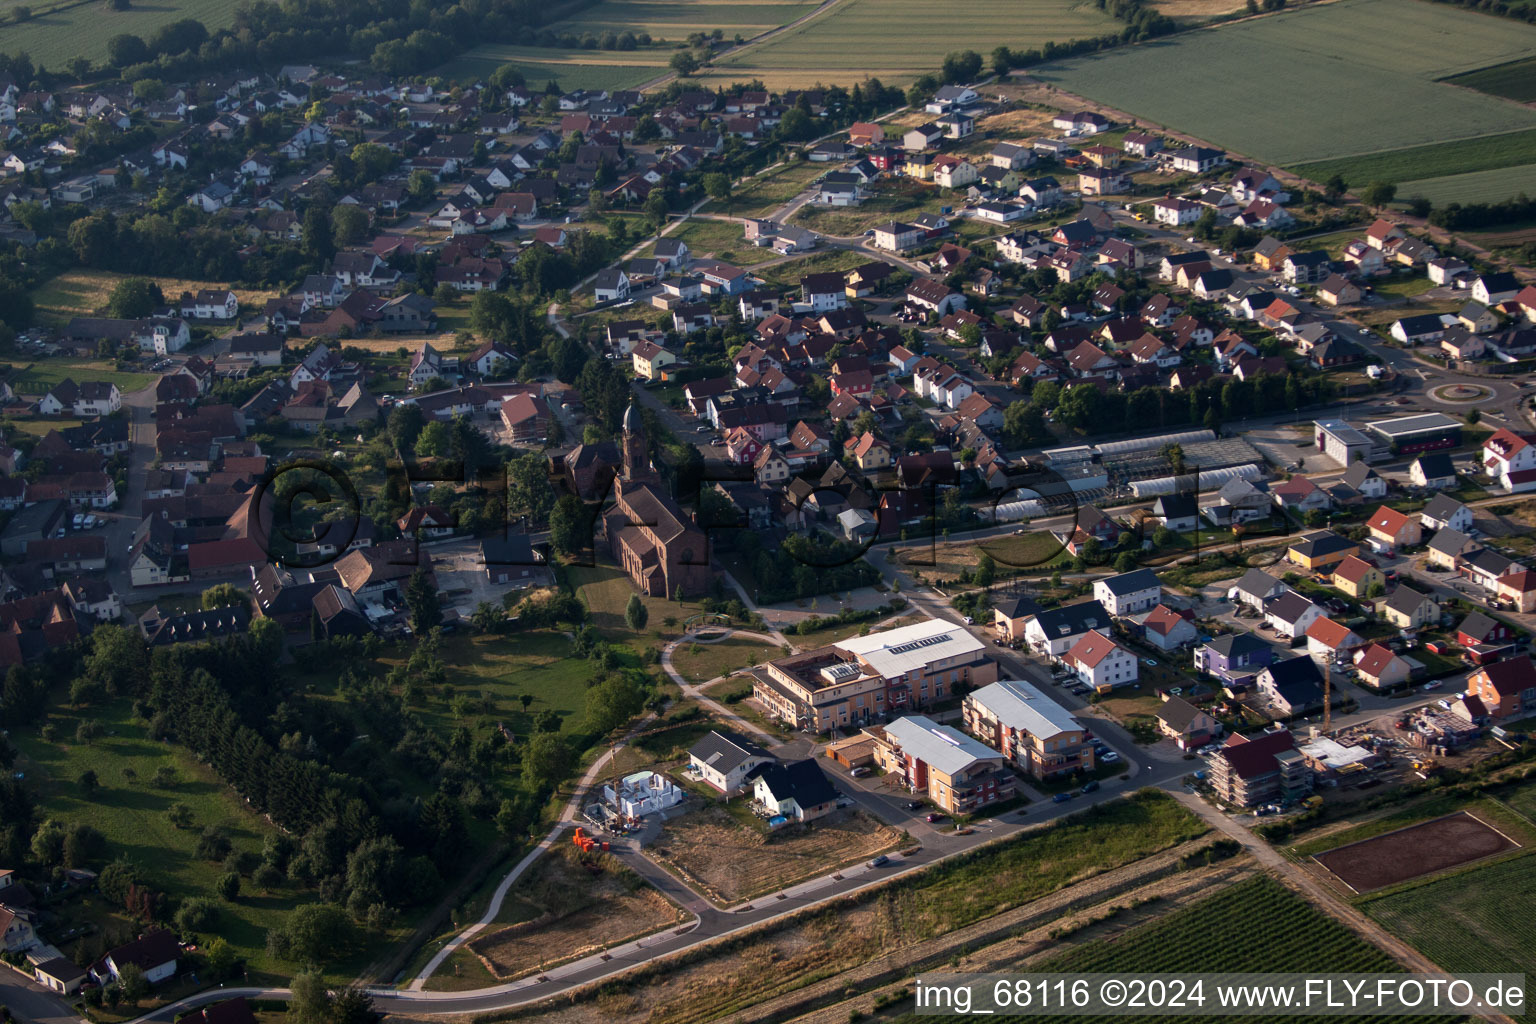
(1236, 658)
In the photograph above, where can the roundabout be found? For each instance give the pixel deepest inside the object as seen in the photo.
(1461, 393)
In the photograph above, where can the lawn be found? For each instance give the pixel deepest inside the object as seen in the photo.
(897, 40)
(1434, 160)
(606, 592)
(38, 377)
(719, 239)
(893, 200)
(130, 810)
(84, 293)
(766, 192)
(1385, 55)
(1515, 80)
(1475, 921)
(788, 273)
(500, 670)
(58, 32)
(699, 663)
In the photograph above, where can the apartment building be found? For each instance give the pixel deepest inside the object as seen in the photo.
(1253, 770)
(953, 770)
(1033, 732)
(862, 679)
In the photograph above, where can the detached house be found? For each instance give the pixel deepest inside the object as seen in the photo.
(1129, 592)
(1101, 663)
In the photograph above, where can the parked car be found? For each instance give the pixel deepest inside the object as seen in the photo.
(965, 831)
(880, 861)
(79, 521)
(860, 771)
(1110, 757)
(914, 805)
(935, 816)
(1090, 785)
(1061, 798)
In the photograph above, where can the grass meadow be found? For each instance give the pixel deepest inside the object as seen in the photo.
(57, 32)
(130, 811)
(83, 292)
(1371, 69)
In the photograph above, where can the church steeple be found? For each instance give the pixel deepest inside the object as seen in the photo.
(637, 461)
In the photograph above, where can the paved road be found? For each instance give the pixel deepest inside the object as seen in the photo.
(29, 1001)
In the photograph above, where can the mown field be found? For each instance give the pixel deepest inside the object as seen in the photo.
(1515, 80)
(571, 69)
(1474, 921)
(667, 22)
(1371, 69)
(897, 40)
(83, 292)
(59, 32)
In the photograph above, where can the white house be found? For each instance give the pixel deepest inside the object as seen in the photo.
(1129, 592)
(611, 285)
(1511, 460)
(1445, 512)
(1176, 212)
(798, 791)
(724, 760)
(1101, 663)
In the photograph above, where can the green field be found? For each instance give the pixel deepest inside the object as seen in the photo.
(572, 69)
(719, 239)
(1515, 80)
(667, 22)
(1474, 921)
(57, 33)
(1474, 187)
(38, 377)
(130, 811)
(897, 40)
(766, 192)
(1437, 160)
(1369, 68)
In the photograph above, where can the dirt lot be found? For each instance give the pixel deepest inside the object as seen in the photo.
(1414, 851)
(583, 913)
(729, 861)
(1196, 10)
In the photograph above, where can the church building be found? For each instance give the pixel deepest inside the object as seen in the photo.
(657, 544)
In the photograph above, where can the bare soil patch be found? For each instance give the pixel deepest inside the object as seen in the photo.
(1415, 851)
(729, 861)
(584, 912)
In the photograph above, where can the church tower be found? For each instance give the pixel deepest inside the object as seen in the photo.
(637, 460)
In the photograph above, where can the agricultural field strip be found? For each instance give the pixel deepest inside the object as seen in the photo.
(1384, 56)
(898, 38)
(1474, 187)
(1439, 160)
(1515, 80)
